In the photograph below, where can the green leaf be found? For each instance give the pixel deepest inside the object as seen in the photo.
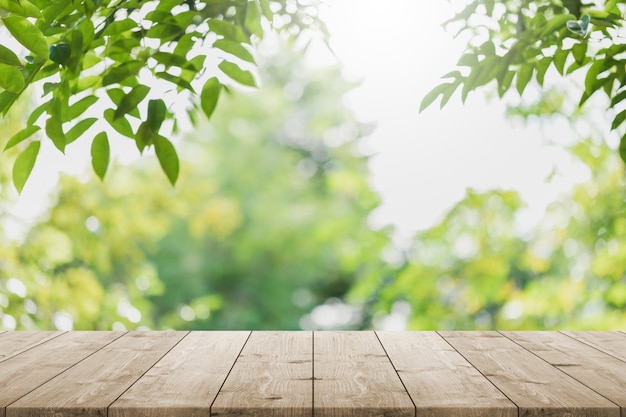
(236, 73)
(235, 49)
(120, 26)
(618, 98)
(169, 59)
(81, 106)
(121, 125)
(87, 82)
(579, 52)
(121, 72)
(7, 98)
(592, 76)
(175, 80)
(8, 57)
(622, 148)
(555, 24)
(167, 157)
(131, 100)
(78, 129)
(60, 53)
(209, 96)
(195, 64)
(468, 60)
(542, 68)
(145, 136)
(156, 114)
(21, 136)
(22, 7)
(253, 18)
(560, 56)
(576, 26)
(35, 114)
(228, 30)
(100, 154)
(164, 31)
(621, 116)
(27, 34)
(11, 79)
(505, 82)
(24, 164)
(432, 95)
(524, 75)
(54, 130)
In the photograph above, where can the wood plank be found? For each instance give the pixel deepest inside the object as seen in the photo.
(536, 387)
(602, 373)
(613, 343)
(13, 343)
(439, 380)
(186, 381)
(89, 387)
(21, 374)
(271, 377)
(354, 377)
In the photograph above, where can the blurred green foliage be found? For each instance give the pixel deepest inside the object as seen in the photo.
(270, 219)
(269, 222)
(477, 270)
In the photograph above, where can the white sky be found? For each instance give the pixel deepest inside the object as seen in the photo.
(424, 162)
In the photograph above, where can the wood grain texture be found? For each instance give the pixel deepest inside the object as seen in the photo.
(613, 343)
(271, 377)
(536, 387)
(593, 368)
(89, 387)
(21, 374)
(14, 343)
(439, 380)
(354, 377)
(186, 381)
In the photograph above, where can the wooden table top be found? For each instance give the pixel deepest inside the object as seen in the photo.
(241, 373)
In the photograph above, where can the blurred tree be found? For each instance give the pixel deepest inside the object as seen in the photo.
(270, 221)
(474, 270)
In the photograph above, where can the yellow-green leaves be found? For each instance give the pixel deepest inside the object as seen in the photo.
(236, 73)
(20, 7)
(8, 57)
(24, 164)
(100, 152)
(235, 49)
(253, 18)
(21, 136)
(11, 79)
(79, 50)
(209, 96)
(166, 154)
(131, 100)
(27, 34)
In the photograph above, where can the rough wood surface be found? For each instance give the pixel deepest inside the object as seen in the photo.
(536, 387)
(593, 368)
(271, 377)
(14, 343)
(89, 387)
(613, 343)
(321, 374)
(186, 381)
(439, 380)
(354, 377)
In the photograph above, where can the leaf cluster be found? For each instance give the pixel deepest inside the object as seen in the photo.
(514, 42)
(98, 63)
